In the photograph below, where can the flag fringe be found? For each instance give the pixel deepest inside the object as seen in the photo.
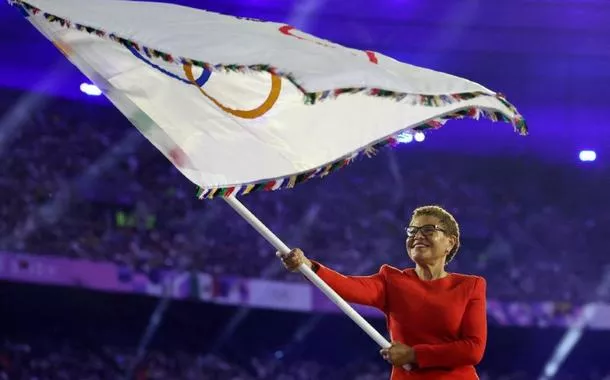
(309, 97)
(367, 151)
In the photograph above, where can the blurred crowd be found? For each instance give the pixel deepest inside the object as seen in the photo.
(65, 362)
(80, 182)
(62, 333)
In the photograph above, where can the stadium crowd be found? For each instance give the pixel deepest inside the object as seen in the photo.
(80, 182)
(65, 362)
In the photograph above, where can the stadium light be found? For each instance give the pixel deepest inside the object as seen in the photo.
(587, 155)
(90, 89)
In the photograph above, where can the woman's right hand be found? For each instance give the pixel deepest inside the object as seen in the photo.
(293, 259)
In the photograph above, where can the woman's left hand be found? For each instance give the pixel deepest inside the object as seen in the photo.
(398, 354)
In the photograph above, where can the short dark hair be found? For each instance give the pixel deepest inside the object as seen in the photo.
(446, 220)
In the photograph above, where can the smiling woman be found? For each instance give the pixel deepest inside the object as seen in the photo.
(436, 319)
(428, 248)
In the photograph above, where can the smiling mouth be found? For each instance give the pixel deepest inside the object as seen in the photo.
(420, 246)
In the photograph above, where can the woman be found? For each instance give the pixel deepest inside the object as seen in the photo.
(437, 320)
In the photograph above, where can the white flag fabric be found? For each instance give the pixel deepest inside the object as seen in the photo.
(241, 105)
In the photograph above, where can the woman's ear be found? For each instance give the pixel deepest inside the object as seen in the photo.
(453, 242)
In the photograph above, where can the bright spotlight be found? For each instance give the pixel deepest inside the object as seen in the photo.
(419, 136)
(90, 89)
(587, 155)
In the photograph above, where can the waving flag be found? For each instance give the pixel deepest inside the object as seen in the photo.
(240, 105)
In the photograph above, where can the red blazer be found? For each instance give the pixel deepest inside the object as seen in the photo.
(444, 320)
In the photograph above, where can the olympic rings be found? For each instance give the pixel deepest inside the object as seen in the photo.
(287, 30)
(274, 94)
(203, 78)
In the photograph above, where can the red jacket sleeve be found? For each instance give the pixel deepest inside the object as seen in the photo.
(468, 350)
(363, 290)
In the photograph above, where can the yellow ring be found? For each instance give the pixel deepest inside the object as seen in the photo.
(274, 94)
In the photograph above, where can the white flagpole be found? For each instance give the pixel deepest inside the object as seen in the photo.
(307, 272)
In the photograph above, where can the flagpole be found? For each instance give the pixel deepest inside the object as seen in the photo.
(307, 272)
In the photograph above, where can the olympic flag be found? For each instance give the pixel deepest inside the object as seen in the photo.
(241, 105)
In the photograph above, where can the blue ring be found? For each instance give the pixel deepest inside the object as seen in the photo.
(203, 78)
